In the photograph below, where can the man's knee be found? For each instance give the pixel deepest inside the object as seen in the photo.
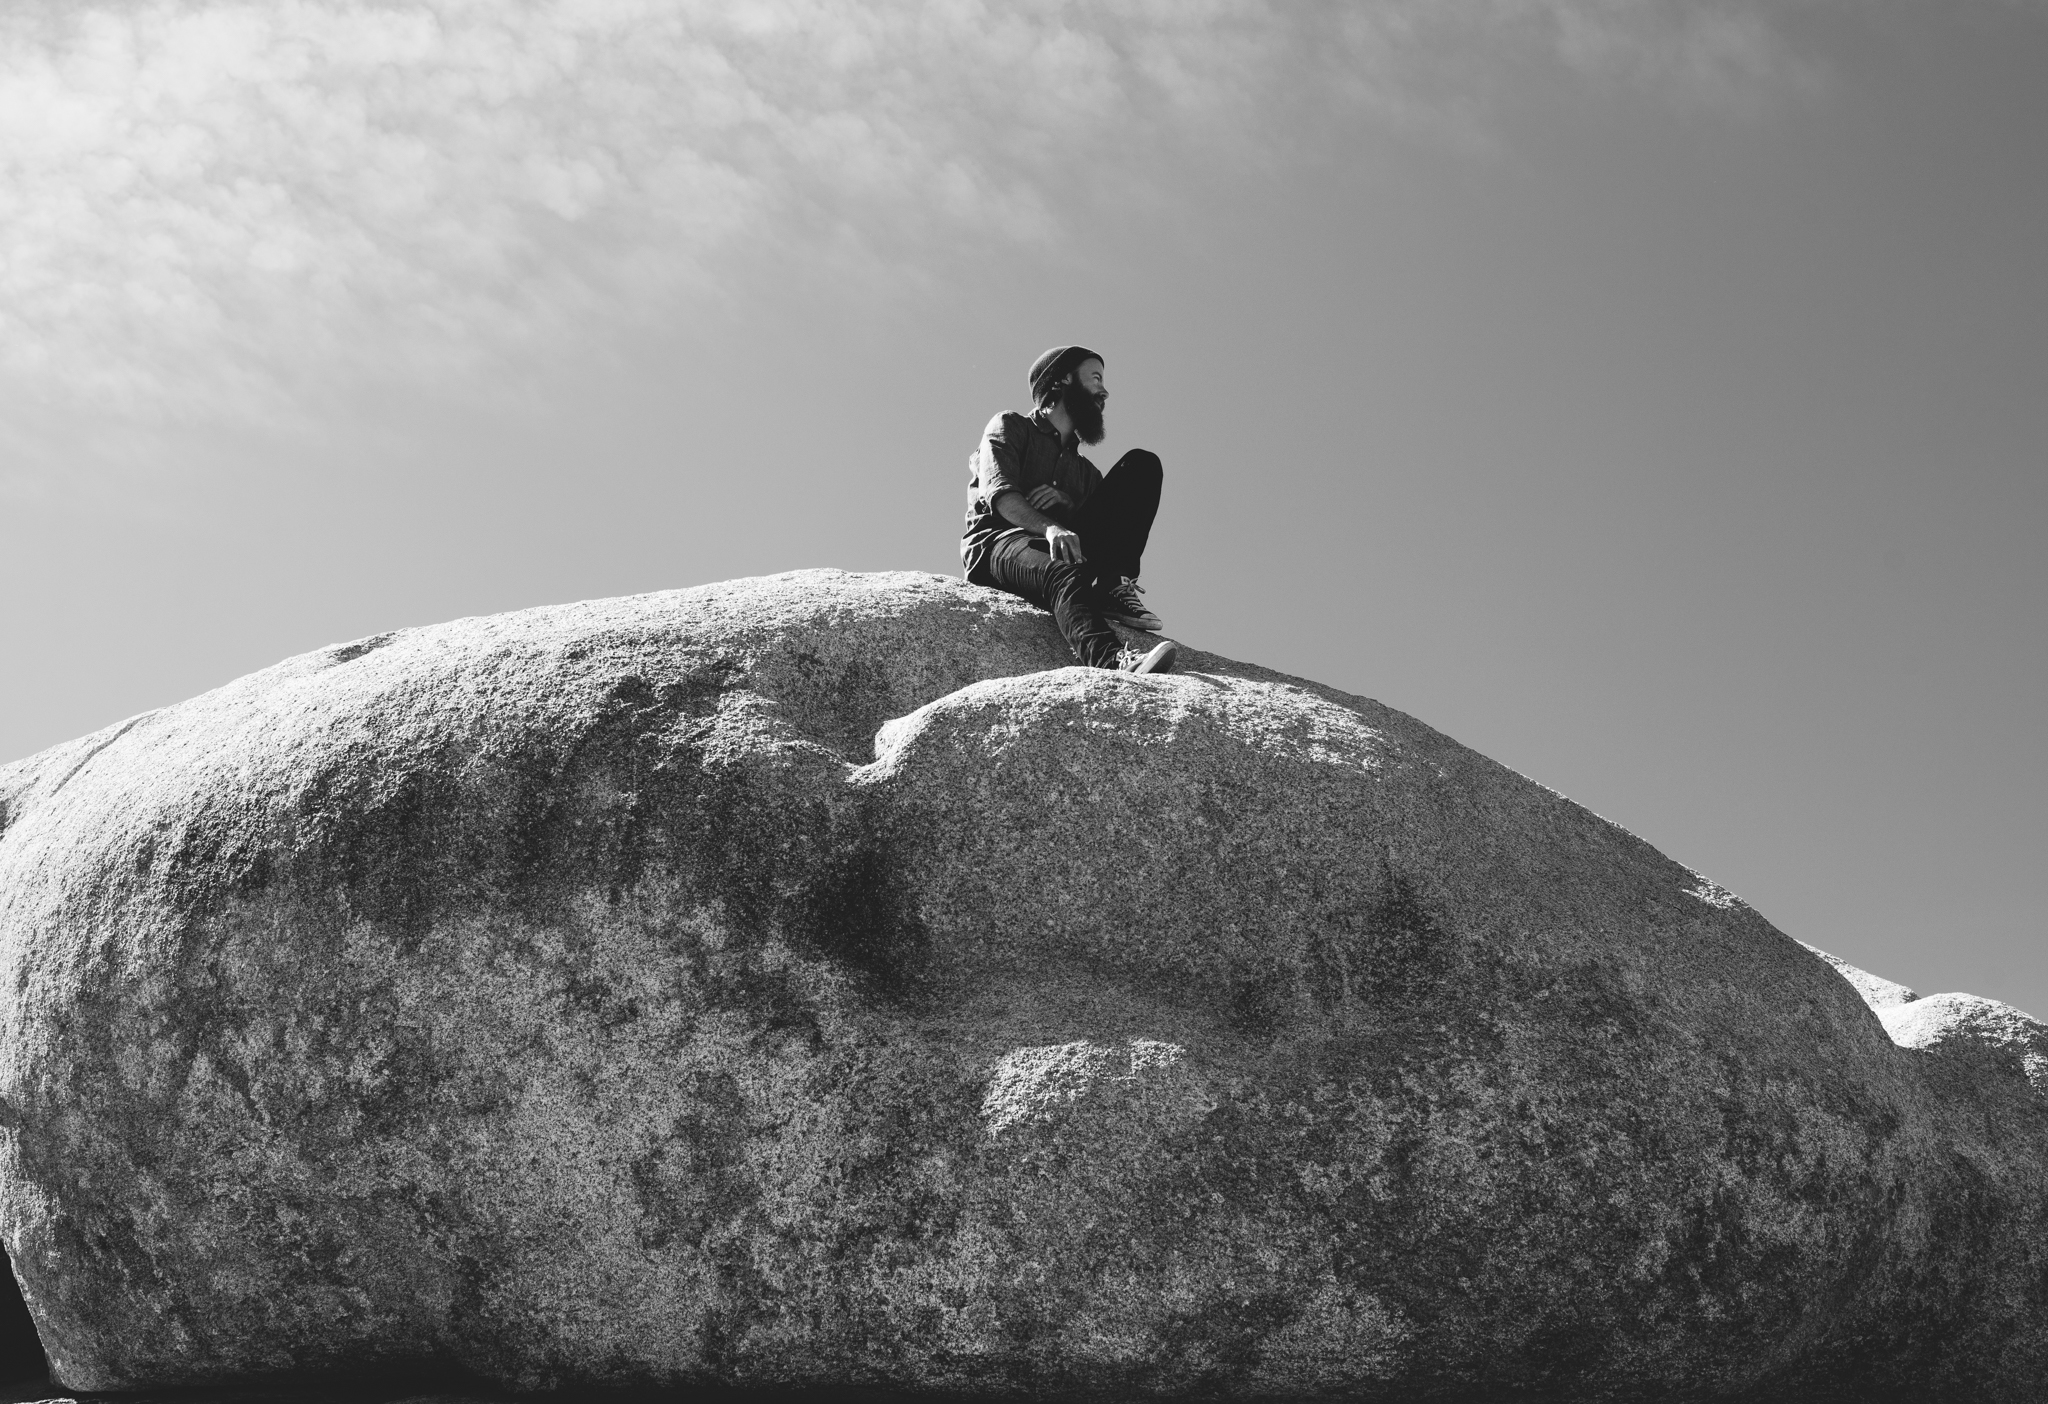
(1143, 464)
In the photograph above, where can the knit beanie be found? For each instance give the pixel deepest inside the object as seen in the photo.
(1051, 368)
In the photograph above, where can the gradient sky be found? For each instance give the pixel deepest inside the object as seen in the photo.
(1652, 394)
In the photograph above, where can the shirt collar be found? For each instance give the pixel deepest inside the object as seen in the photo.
(1042, 420)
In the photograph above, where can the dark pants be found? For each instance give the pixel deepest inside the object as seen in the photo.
(1113, 527)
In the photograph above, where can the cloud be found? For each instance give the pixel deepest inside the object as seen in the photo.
(207, 205)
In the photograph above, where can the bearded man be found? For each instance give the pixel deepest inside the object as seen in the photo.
(1045, 523)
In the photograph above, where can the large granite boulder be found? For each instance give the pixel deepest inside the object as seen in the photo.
(810, 980)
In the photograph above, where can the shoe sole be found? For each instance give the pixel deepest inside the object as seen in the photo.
(1150, 625)
(1160, 660)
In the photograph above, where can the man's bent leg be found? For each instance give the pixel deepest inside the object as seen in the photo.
(1023, 566)
(1117, 521)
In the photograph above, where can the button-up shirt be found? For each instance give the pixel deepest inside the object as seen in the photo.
(1018, 453)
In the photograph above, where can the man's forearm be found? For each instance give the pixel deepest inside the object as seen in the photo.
(1017, 512)
(1060, 539)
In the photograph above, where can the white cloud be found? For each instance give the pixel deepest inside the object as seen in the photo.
(204, 201)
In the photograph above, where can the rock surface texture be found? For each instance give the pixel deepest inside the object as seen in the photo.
(810, 980)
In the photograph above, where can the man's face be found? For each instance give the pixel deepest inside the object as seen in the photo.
(1088, 375)
(1083, 399)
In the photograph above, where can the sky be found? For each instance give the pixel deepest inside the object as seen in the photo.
(1650, 394)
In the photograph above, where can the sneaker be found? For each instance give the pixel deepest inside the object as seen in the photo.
(1159, 660)
(1121, 603)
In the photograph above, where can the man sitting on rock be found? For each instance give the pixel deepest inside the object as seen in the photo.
(1045, 523)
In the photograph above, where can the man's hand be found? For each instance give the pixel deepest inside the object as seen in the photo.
(1017, 510)
(1049, 499)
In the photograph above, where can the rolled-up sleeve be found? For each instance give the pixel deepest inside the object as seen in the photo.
(999, 467)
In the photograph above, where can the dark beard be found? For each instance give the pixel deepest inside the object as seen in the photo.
(1085, 410)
